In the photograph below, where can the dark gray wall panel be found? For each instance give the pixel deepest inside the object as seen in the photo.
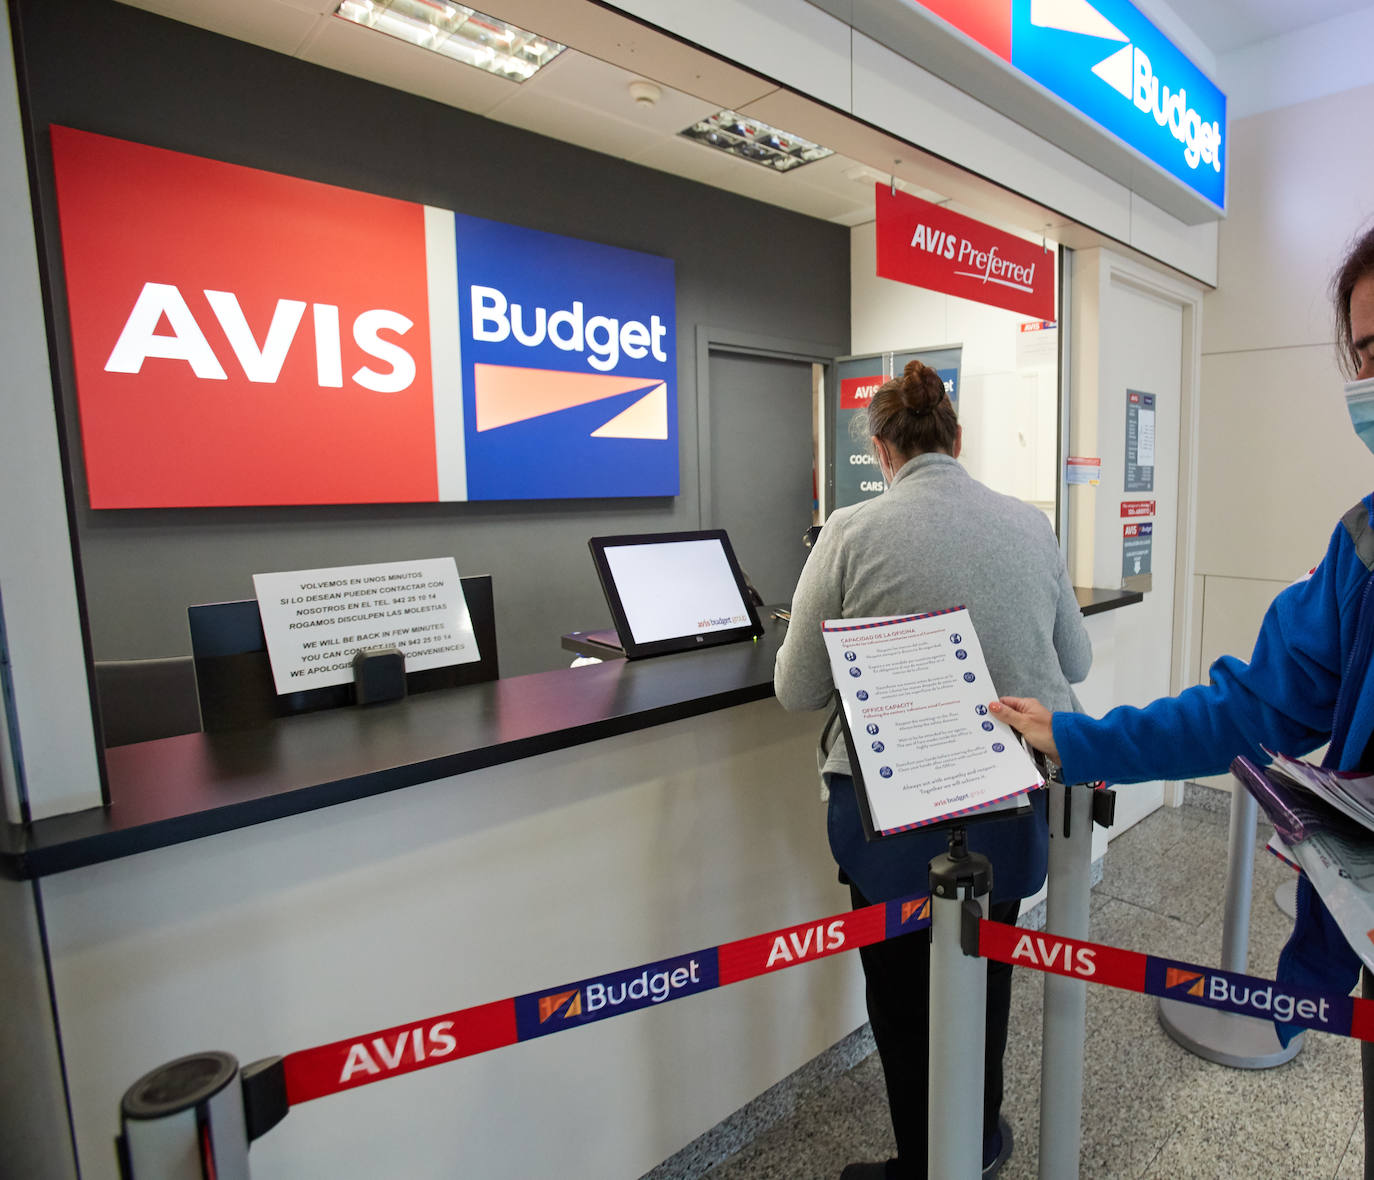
(100, 66)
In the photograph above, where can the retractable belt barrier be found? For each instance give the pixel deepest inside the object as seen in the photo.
(1208, 987)
(404, 1048)
(187, 1088)
(373, 1057)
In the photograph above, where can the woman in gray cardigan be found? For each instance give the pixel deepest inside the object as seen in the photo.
(936, 538)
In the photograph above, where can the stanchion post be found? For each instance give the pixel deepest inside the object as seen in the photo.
(1228, 1038)
(1066, 1000)
(184, 1121)
(960, 882)
(193, 1118)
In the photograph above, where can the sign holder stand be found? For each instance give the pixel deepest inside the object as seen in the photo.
(958, 1009)
(1228, 1038)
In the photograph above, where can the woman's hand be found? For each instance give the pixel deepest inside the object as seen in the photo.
(1029, 718)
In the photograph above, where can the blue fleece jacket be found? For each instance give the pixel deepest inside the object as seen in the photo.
(1308, 680)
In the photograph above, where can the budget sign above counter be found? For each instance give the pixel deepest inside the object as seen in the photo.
(241, 337)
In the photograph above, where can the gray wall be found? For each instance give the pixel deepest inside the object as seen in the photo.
(99, 66)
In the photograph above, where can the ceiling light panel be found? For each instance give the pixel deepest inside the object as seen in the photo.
(748, 139)
(457, 32)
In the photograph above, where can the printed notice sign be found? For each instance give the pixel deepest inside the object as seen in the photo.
(1140, 441)
(914, 691)
(316, 620)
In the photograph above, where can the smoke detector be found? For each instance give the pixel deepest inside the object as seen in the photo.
(645, 94)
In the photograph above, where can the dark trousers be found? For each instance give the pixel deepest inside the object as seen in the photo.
(897, 974)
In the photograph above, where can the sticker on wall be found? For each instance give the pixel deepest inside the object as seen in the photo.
(246, 338)
(1137, 542)
(1083, 469)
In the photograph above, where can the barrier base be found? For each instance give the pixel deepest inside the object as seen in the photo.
(1242, 1042)
(1286, 898)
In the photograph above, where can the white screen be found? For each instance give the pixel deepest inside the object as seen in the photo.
(676, 588)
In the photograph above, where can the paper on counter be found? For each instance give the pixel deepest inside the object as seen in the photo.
(915, 690)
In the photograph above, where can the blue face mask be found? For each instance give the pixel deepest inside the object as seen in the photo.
(1359, 400)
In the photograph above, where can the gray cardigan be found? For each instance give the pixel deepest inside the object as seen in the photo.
(938, 538)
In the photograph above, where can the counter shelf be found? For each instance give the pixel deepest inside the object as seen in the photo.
(183, 788)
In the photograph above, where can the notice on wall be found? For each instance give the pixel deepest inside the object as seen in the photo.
(915, 693)
(1137, 541)
(1083, 469)
(317, 620)
(1037, 344)
(1140, 441)
(1134, 508)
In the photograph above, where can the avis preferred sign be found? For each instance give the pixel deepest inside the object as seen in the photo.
(930, 246)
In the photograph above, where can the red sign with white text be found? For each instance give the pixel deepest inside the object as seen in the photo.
(857, 392)
(930, 246)
(242, 337)
(1131, 508)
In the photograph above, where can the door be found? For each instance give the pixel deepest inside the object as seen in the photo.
(1142, 351)
(760, 484)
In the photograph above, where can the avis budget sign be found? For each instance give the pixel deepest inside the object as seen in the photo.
(242, 337)
(930, 246)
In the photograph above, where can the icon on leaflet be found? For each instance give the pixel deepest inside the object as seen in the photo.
(871, 727)
(956, 638)
(855, 671)
(863, 696)
(885, 771)
(987, 725)
(981, 710)
(851, 656)
(961, 654)
(878, 747)
(997, 747)
(969, 677)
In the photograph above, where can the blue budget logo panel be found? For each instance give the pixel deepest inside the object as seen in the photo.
(1107, 61)
(540, 1013)
(1260, 998)
(569, 366)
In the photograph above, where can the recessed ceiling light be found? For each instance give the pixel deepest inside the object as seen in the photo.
(749, 139)
(458, 32)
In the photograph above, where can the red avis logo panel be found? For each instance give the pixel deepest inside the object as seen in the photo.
(242, 337)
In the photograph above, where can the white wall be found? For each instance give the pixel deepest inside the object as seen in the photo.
(449, 894)
(1278, 461)
(1307, 63)
(36, 580)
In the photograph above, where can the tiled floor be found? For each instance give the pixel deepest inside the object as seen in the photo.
(1150, 1108)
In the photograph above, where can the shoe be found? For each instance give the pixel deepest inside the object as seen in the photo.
(876, 1170)
(997, 1150)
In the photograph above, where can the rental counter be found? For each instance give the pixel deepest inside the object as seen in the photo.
(547, 828)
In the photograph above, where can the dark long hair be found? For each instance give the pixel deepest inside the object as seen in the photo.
(1359, 262)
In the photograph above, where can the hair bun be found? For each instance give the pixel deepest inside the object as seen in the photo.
(921, 389)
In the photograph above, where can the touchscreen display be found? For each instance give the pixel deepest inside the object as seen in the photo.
(676, 588)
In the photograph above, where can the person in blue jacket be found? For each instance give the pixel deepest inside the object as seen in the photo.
(1308, 681)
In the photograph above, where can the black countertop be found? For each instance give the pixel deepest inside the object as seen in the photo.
(183, 788)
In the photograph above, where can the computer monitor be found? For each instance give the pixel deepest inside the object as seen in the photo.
(672, 592)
